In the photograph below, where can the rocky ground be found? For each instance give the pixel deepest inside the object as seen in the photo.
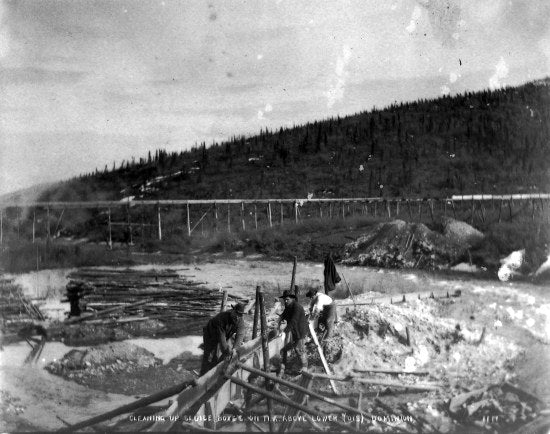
(445, 340)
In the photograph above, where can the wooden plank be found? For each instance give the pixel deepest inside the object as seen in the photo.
(190, 397)
(322, 356)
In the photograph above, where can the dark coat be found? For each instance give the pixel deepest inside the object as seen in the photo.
(296, 321)
(330, 274)
(220, 328)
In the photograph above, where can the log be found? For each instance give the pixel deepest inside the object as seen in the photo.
(304, 390)
(285, 401)
(159, 396)
(424, 387)
(103, 312)
(390, 371)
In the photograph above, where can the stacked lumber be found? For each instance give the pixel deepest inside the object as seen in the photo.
(14, 306)
(154, 294)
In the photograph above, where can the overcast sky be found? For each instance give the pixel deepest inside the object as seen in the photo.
(84, 83)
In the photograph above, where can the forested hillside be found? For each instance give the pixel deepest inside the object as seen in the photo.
(485, 142)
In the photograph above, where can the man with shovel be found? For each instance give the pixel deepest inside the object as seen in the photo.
(296, 329)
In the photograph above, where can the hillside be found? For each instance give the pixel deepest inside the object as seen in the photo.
(484, 142)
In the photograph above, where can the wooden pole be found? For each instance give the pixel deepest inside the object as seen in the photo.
(343, 210)
(388, 208)
(510, 208)
(48, 223)
(390, 372)
(228, 218)
(360, 379)
(216, 217)
(269, 214)
(188, 221)
(293, 278)
(242, 216)
(159, 396)
(349, 289)
(256, 216)
(431, 203)
(142, 227)
(296, 211)
(265, 353)
(106, 311)
(320, 210)
(397, 207)
(282, 213)
(286, 401)
(224, 300)
(359, 399)
(256, 314)
(308, 392)
(129, 225)
(159, 222)
(110, 228)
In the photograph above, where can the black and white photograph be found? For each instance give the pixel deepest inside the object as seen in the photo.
(275, 216)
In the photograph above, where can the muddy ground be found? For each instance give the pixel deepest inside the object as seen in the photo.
(515, 315)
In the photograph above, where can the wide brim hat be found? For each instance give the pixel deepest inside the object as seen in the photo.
(286, 294)
(239, 308)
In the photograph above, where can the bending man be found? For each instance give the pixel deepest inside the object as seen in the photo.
(218, 332)
(323, 307)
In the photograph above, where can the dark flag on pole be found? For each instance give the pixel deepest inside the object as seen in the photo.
(331, 275)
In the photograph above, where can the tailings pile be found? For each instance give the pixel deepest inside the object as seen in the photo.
(398, 244)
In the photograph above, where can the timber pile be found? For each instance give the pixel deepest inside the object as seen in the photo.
(150, 294)
(15, 308)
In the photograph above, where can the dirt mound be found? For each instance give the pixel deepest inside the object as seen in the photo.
(121, 352)
(122, 368)
(461, 232)
(399, 244)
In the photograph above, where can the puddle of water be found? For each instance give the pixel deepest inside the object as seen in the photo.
(168, 348)
(14, 354)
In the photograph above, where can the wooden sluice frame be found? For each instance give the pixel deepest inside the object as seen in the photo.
(213, 391)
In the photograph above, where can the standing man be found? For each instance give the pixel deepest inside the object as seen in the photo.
(296, 329)
(323, 307)
(218, 332)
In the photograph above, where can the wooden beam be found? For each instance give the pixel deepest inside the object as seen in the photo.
(359, 379)
(265, 353)
(85, 317)
(390, 371)
(285, 401)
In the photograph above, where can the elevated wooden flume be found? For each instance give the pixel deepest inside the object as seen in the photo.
(253, 213)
